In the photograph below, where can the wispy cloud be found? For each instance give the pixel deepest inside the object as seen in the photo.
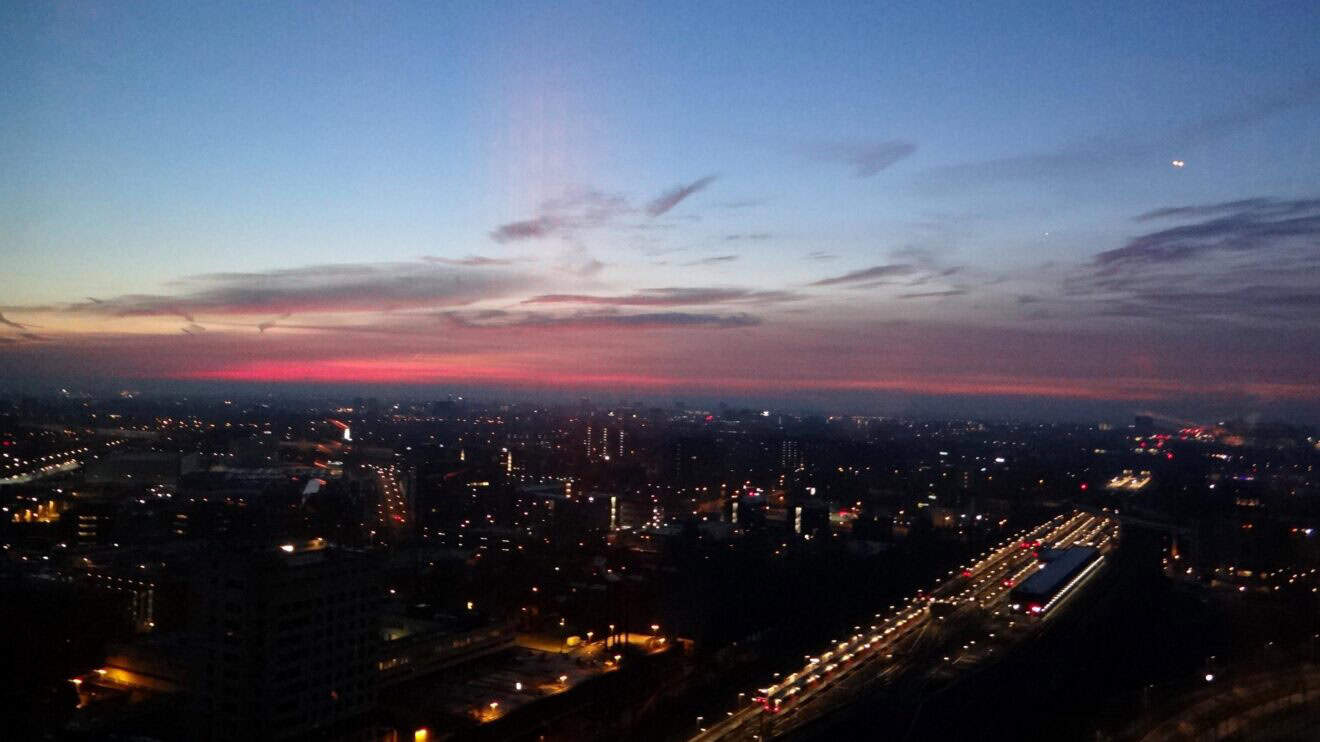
(22, 336)
(1248, 260)
(1085, 158)
(527, 229)
(11, 323)
(957, 291)
(604, 319)
(713, 260)
(675, 196)
(1251, 110)
(1235, 226)
(333, 288)
(868, 274)
(581, 209)
(266, 325)
(575, 210)
(671, 297)
(1252, 304)
(471, 261)
(24, 332)
(865, 158)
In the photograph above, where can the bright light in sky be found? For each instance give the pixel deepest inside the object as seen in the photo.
(868, 207)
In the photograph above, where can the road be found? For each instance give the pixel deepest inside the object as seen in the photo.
(15, 470)
(908, 637)
(392, 513)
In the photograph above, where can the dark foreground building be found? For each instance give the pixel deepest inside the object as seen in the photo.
(285, 641)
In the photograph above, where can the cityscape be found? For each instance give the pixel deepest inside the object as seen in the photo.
(659, 371)
(459, 569)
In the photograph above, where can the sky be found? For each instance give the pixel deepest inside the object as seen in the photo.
(1056, 208)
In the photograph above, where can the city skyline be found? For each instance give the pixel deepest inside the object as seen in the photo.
(1035, 207)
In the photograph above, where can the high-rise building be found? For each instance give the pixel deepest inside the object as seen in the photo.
(790, 455)
(284, 641)
(605, 442)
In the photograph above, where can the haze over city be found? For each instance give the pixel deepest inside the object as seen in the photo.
(1054, 211)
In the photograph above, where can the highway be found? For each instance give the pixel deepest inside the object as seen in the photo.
(15, 470)
(392, 513)
(901, 639)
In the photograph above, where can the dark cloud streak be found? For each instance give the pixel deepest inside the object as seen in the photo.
(529, 229)
(713, 260)
(671, 297)
(1237, 226)
(865, 158)
(1248, 262)
(675, 196)
(868, 274)
(471, 261)
(934, 294)
(327, 288)
(10, 323)
(600, 319)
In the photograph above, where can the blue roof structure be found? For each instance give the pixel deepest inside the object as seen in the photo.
(1056, 572)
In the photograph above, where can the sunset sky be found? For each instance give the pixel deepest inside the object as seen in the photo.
(991, 206)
